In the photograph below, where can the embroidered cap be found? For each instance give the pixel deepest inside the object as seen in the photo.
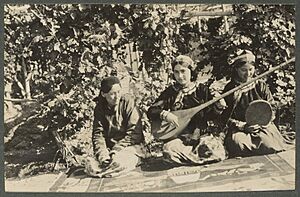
(244, 56)
(108, 82)
(185, 61)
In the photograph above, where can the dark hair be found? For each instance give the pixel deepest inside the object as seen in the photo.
(108, 82)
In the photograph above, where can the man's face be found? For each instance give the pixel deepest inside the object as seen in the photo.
(113, 96)
(245, 72)
(182, 74)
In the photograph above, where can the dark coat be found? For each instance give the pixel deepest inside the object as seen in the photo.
(195, 97)
(237, 107)
(114, 129)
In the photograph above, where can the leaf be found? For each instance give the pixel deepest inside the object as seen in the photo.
(64, 112)
(281, 83)
(81, 69)
(115, 41)
(89, 69)
(57, 47)
(80, 115)
(95, 49)
(292, 83)
(40, 126)
(153, 26)
(43, 21)
(84, 106)
(51, 103)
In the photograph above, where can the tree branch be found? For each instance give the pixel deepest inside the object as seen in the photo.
(20, 100)
(20, 86)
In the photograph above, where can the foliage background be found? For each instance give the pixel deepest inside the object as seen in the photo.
(57, 54)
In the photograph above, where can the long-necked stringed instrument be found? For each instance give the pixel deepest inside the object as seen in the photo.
(163, 130)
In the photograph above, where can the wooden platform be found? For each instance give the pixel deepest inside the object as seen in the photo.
(269, 172)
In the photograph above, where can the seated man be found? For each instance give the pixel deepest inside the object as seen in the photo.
(117, 132)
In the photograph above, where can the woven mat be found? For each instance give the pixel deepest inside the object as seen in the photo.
(272, 171)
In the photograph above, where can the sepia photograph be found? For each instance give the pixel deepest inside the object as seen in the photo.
(120, 98)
